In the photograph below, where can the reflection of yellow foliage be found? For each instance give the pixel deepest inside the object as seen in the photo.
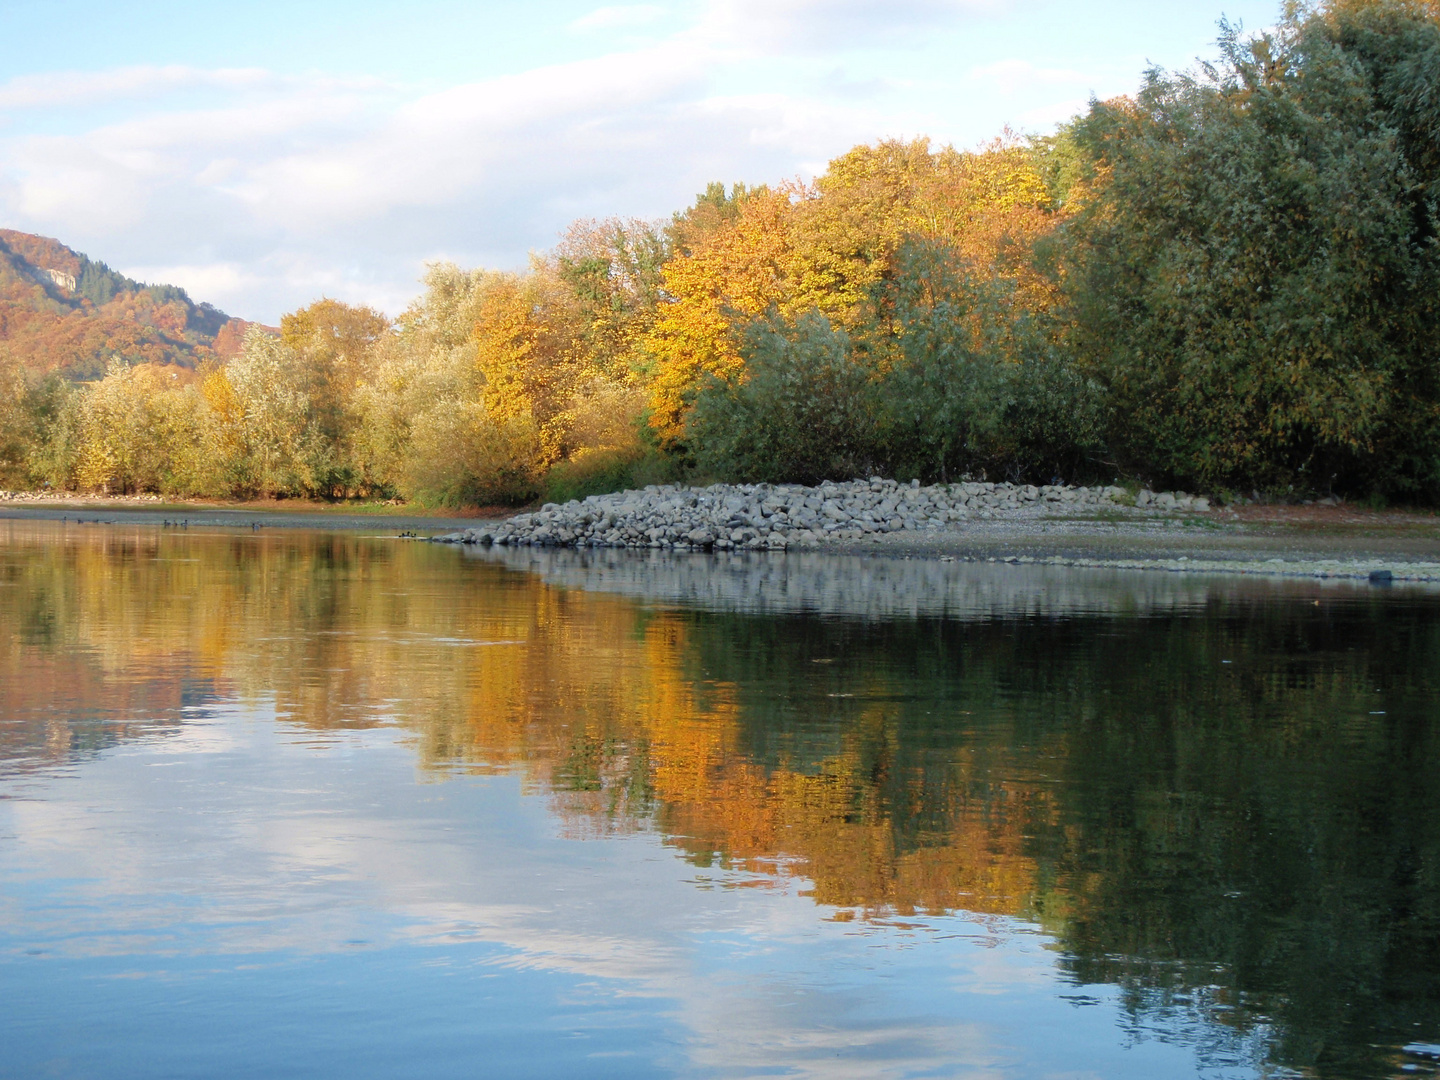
(594, 699)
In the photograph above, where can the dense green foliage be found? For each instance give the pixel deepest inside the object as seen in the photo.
(946, 376)
(803, 410)
(1253, 271)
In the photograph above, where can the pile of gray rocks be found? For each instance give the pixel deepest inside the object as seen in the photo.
(725, 517)
(65, 496)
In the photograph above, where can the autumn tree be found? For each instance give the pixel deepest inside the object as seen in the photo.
(613, 271)
(739, 271)
(826, 248)
(334, 343)
(139, 429)
(265, 394)
(426, 426)
(713, 209)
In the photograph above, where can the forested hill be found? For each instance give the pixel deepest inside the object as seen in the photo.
(65, 313)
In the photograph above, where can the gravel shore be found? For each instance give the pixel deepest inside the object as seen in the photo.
(1090, 529)
(725, 517)
(1057, 525)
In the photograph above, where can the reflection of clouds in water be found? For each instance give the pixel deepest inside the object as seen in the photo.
(1023, 957)
(197, 735)
(879, 766)
(271, 848)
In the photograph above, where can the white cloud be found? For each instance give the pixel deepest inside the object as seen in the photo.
(626, 17)
(93, 88)
(1046, 117)
(259, 205)
(278, 281)
(256, 190)
(585, 123)
(1013, 75)
(810, 25)
(262, 184)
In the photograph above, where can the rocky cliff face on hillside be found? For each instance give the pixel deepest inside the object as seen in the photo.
(65, 313)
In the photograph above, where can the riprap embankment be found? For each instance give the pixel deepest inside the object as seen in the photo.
(779, 516)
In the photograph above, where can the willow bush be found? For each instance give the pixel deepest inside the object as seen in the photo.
(804, 408)
(1252, 271)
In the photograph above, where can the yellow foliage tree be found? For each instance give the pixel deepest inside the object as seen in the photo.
(424, 424)
(140, 429)
(824, 247)
(742, 269)
(989, 207)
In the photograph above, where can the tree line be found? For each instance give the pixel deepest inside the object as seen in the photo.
(1227, 281)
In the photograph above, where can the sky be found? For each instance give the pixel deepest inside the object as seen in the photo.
(265, 154)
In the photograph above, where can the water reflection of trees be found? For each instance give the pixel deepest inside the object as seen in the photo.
(1233, 814)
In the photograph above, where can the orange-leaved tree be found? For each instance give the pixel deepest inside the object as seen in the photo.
(739, 270)
(825, 247)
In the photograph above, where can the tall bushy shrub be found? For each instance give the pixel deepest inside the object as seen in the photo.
(272, 426)
(460, 455)
(945, 376)
(1253, 270)
(424, 430)
(29, 407)
(973, 382)
(137, 429)
(803, 408)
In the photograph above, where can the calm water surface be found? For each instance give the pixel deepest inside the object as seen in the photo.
(333, 806)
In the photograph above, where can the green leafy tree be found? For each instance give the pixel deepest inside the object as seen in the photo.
(803, 408)
(29, 407)
(1252, 270)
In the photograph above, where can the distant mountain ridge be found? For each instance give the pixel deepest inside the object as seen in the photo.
(62, 312)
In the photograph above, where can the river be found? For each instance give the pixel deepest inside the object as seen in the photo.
(332, 805)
